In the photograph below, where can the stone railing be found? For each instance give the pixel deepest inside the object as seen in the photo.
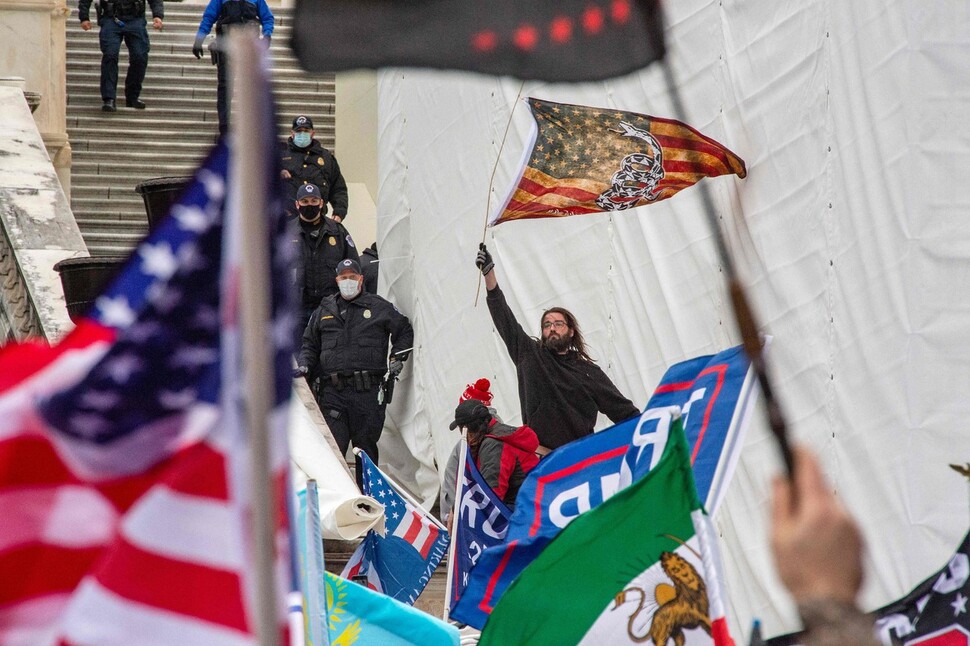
(37, 228)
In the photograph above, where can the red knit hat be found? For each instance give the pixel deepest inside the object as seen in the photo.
(478, 390)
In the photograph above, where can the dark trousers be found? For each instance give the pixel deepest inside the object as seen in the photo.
(353, 416)
(135, 35)
(223, 97)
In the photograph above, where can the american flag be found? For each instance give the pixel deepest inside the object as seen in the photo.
(122, 523)
(401, 562)
(591, 160)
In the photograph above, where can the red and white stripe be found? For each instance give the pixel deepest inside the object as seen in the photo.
(418, 531)
(355, 565)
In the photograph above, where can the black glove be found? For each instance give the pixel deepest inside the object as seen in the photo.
(484, 259)
(395, 367)
(197, 47)
(300, 371)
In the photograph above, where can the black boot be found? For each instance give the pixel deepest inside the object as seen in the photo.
(137, 104)
(109, 106)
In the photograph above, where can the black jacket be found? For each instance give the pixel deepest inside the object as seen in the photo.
(560, 395)
(314, 165)
(158, 9)
(368, 266)
(335, 343)
(321, 248)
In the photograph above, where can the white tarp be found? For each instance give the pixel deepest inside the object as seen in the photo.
(851, 232)
(345, 514)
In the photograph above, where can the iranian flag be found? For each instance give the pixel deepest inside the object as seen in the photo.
(641, 566)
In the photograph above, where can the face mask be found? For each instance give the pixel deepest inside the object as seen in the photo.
(348, 287)
(301, 139)
(310, 212)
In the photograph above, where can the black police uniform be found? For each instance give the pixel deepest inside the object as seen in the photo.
(368, 267)
(345, 346)
(122, 20)
(322, 246)
(314, 165)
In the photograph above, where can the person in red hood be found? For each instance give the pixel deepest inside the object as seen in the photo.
(503, 454)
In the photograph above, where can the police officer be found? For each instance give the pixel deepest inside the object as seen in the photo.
(122, 20)
(226, 14)
(345, 345)
(323, 244)
(306, 161)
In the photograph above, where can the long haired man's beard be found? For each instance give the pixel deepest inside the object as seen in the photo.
(558, 343)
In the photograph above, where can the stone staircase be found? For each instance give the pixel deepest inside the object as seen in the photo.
(113, 152)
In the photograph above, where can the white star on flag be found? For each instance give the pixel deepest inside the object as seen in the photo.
(115, 312)
(190, 356)
(88, 424)
(158, 260)
(143, 331)
(191, 218)
(282, 330)
(163, 297)
(190, 258)
(215, 187)
(959, 604)
(122, 367)
(100, 399)
(177, 400)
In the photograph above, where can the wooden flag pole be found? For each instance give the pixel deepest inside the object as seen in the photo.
(254, 316)
(491, 181)
(743, 314)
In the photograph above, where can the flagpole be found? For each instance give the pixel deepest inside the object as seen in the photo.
(452, 556)
(491, 181)
(743, 314)
(254, 315)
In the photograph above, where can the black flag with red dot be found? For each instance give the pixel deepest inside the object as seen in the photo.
(551, 40)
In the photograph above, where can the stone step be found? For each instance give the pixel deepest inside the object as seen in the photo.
(108, 224)
(113, 152)
(175, 71)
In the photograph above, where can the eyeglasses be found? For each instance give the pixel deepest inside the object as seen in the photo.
(559, 325)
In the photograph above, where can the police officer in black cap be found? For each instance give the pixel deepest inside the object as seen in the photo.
(306, 161)
(323, 244)
(345, 346)
(122, 20)
(225, 15)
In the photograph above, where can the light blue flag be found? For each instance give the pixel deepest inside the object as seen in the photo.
(310, 542)
(361, 617)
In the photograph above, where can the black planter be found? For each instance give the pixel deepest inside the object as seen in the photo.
(159, 195)
(84, 279)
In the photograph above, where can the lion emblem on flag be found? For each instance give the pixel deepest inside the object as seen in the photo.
(639, 174)
(682, 606)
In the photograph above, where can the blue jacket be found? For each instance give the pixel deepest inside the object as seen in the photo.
(214, 8)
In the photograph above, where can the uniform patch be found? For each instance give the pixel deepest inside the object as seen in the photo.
(350, 241)
(333, 241)
(320, 161)
(366, 314)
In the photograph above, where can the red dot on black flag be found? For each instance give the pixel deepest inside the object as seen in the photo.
(593, 20)
(526, 37)
(620, 11)
(484, 41)
(561, 29)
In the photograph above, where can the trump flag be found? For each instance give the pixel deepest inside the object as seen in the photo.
(401, 562)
